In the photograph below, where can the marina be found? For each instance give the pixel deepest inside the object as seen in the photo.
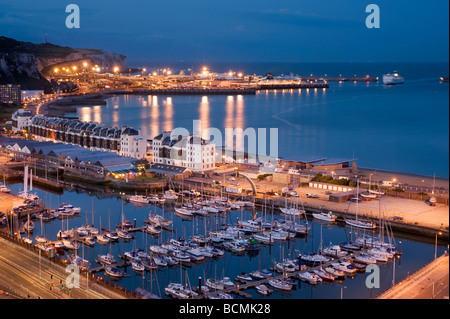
(228, 264)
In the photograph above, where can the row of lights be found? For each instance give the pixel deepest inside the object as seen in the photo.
(116, 69)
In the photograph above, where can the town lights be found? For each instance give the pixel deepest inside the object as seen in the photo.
(116, 69)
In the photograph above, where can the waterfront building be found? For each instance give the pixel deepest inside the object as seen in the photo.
(21, 120)
(31, 95)
(124, 141)
(72, 157)
(132, 144)
(190, 151)
(10, 94)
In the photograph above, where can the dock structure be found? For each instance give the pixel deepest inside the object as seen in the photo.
(239, 288)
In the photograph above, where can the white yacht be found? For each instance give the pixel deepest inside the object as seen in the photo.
(280, 284)
(292, 211)
(170, 195)
(4, 189)
(178, 291)
(309, 277)
(328, 217)
(184, 211)
(141, 199)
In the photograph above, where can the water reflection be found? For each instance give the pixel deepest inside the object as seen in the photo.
(229, 119)
(154, 116)
(204, 116)
(168, 114)
(97, 113)
(85, 114)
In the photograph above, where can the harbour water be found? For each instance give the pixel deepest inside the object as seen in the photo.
(107, 211)
(400, 128)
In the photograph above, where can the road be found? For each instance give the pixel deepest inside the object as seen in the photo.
(430, 282)
(23, 274)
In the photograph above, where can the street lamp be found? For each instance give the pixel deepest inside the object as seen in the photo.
(435, 245)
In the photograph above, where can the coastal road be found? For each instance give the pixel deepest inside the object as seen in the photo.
(24, 274)
(430, 282)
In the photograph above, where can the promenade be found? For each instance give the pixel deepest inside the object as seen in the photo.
(429, 282)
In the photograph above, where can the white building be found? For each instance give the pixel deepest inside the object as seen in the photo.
(21, 120)
(191, 152)
(132, 144)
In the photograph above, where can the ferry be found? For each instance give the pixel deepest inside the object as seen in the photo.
(392, 79)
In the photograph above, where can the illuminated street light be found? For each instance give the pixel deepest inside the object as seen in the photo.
(116, 69)
(435, 244)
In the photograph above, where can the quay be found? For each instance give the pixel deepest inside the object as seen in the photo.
(429, 282)
(10, 174)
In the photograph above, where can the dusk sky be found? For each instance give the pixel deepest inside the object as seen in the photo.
(241, 31)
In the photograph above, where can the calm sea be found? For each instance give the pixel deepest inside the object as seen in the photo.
(401, 128)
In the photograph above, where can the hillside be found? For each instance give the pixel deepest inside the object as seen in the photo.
(26, 63)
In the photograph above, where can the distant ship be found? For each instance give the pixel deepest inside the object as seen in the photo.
(391, 79)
